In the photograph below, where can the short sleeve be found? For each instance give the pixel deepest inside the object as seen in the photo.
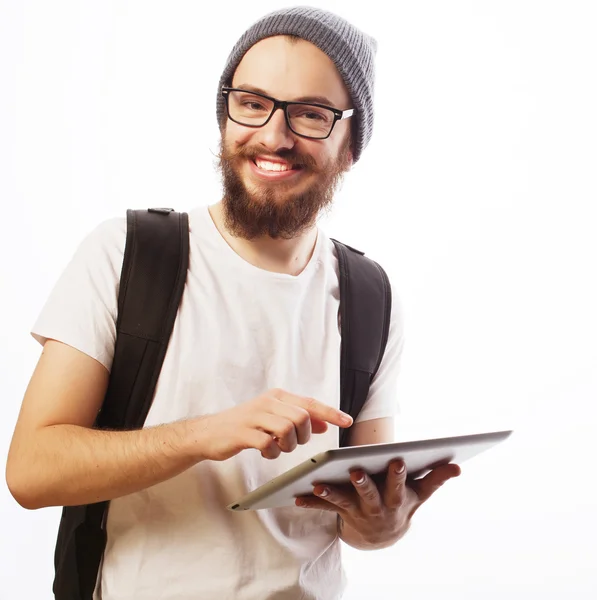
(382, 400)
(81, 309)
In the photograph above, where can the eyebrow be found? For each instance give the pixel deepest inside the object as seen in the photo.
(310, 99)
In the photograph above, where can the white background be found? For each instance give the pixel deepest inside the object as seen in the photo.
(477, 194)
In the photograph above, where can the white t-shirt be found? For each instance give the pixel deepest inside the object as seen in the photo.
(240, 331)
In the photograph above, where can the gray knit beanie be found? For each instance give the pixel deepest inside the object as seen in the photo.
(352, 51)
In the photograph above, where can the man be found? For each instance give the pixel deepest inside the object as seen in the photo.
(250, 382)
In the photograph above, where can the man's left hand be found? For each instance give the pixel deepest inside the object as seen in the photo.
(377, 515)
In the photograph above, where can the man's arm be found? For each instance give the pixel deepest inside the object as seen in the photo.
(57, 459)
(374, 431)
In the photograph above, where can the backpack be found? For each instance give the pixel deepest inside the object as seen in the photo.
(151, 285)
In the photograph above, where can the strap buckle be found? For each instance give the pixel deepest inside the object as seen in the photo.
(160, 211)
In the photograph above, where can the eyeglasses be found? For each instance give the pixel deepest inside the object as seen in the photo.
(252, 109)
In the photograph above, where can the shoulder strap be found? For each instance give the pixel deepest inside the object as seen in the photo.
(365, 307)
(151, 285)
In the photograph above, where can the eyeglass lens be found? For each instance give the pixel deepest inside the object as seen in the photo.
(305, 119)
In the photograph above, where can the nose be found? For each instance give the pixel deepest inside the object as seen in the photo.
(276, 135)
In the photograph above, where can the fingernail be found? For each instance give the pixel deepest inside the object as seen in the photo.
(400, 468)
(300, 502)
(346, 419)
(323, 493)
(361, 479)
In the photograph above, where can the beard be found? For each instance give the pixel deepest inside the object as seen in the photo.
(272, 209)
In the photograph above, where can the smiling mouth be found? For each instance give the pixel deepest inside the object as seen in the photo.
(275, 172)
(275, 167)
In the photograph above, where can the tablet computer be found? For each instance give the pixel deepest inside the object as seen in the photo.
(334, 466)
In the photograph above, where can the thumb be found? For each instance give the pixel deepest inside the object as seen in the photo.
(318, 426)
(429, 484)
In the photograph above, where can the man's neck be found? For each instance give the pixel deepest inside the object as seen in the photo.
(278, 256)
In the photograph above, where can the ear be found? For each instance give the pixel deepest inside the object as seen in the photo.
(348, 151)
(349, 157)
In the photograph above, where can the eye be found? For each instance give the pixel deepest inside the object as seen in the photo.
(253, 105)
(314, 116)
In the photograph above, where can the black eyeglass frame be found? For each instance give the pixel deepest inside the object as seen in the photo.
(339, 115)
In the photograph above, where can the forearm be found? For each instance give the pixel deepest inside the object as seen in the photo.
(70, 465)
(353, 538)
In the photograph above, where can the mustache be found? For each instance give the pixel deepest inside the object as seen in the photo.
(250, 152)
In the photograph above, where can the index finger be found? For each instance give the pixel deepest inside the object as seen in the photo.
(317, 409)
(395, 484)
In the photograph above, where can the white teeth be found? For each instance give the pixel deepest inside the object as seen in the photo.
(270, 166)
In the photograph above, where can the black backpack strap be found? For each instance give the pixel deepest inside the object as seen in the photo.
(152, 282)
(365, 308)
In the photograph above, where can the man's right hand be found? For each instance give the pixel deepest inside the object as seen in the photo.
(274, 422)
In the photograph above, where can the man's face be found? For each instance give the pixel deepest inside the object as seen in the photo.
(258, 202)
